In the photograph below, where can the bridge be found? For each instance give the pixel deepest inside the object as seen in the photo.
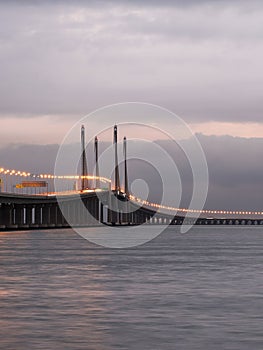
(32, 202)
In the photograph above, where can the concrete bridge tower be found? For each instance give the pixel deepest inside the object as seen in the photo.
(117, 174)
(84, 167)
(96, 150)
(126, 186)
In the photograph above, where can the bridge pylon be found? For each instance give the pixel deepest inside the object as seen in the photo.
(126, 186)
(116, 169)
(84, 167)
(97, 173)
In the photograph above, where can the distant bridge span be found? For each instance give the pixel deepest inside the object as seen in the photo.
(81, 209)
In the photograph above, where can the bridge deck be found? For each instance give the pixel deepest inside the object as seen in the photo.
(88, 208)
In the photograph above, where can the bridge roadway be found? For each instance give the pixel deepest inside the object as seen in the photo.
(19, 212)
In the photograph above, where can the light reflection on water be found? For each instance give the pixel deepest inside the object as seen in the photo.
(202, 290)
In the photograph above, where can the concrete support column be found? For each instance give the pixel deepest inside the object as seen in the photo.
(72, 213)
(132, 217)
(93, 207)
(101, 212)
(109, 215)
(82, 214)
(1, 217)
(128, 214)
(19, 214)
(135, 217)
(28, 215)
(6, 213)
(53, 214)
(59, 216)
(87, 212)
(46, 215)
(63, 211)
(12, 215)
(96, 213)
(138, 217)
(114, 211)
(141, 218)
(90, 206)
(78, 212)
(96, 203)
(38, 215)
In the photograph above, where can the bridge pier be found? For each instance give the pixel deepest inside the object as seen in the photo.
(59, 216)
(101, 212)
(19, 215)
(37, 221)
(62, 209)
(114, 210)
(5, 215)
(96, 208)
(54, 215)
(45, 215)
(28, 216)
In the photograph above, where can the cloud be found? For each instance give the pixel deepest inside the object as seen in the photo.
(202, 60)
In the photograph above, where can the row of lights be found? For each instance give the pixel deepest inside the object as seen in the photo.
(196, 211)
(49, 176)
(141, 201)
(13, 172)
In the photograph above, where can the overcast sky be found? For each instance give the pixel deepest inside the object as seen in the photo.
(60, 60)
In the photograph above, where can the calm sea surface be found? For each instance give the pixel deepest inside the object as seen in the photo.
(201, 290)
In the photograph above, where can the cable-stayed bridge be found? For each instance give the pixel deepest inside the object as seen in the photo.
(30, 200)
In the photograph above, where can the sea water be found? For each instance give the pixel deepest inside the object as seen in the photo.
(200, 290)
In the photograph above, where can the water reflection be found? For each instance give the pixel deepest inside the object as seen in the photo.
(197, 291)
(51, 293)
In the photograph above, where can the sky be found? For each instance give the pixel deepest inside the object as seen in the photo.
(201, 59)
